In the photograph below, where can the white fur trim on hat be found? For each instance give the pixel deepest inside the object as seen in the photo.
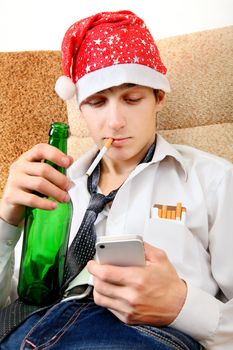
(65, 88)
(116, 75)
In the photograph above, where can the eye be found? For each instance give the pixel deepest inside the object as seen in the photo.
(96, 102)
(133, 100)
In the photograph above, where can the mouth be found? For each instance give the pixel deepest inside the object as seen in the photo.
(120, 141)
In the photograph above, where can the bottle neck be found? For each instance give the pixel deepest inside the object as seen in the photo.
(58, 138)
(59, 142)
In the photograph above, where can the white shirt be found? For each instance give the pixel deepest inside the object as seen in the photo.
(200, 248)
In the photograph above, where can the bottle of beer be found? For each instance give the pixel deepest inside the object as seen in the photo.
(46, 235)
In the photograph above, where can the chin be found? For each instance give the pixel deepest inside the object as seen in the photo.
(121, 154)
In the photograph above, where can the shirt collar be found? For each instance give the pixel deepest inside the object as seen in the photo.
(81, 165)
(163, 149)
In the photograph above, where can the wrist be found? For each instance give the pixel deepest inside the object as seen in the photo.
(10, 222)
(179, 297)
(12, 217)
(9, 234)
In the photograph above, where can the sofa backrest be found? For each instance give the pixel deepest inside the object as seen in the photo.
(28, 102)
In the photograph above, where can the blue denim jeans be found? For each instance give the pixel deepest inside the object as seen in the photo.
(76, 325)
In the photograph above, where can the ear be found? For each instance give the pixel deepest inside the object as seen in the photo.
(80, 112)
(160, 100)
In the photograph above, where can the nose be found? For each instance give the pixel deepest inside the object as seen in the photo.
(116, 119)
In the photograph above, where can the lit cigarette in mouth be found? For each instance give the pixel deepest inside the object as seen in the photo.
(99, 156)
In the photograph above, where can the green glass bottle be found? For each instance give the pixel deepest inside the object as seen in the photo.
(46, 235)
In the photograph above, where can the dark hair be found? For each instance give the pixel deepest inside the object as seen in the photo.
(156, 91)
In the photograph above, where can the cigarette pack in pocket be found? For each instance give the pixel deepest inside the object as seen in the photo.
(182, 247)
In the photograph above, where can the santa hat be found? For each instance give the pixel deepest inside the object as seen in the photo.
(109, 49)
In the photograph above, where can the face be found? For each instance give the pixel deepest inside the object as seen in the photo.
(127, 114)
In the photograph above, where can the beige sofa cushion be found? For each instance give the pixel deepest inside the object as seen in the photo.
(28, 102)
(215, 139)
(200, 72)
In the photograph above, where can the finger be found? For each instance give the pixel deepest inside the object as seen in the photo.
(117, 275)
(33, 201)
(153, 254)
(109, 303)
(123, 299)
(121, 316)
(45, 151)
(128, 318)
(109, 290)
(19, 179)
(107, 273)
(118, 307)
(46, 188)
(47, 172)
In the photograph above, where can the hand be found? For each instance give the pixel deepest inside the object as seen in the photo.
(29, 175)
(153, 294)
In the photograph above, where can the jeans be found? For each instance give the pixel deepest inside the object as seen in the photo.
(77, 325)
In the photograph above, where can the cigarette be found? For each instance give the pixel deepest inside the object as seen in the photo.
(159, 212)
(173, 216)
(164, 211)
(99, 156)
(178, 211)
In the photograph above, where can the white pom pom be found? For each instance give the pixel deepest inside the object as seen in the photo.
(65, 88)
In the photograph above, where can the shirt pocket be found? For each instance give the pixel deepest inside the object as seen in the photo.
(182, 248)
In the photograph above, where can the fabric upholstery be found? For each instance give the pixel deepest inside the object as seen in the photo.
(28, 102)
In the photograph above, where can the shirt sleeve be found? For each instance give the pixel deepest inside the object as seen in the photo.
(206, 318)
(9, 236)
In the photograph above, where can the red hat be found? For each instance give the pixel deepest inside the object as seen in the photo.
(109, 49)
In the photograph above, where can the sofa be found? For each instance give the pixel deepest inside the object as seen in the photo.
(198, 111)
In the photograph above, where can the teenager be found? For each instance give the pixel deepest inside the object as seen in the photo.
(182, 297)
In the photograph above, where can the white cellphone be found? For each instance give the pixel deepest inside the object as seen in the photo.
(127, 250)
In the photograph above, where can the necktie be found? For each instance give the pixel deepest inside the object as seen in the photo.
(82, 248)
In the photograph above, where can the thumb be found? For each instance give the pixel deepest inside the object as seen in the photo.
(153, 254)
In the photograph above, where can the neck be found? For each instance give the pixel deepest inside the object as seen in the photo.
(123, 167)
(111, 167)
(114, 173)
